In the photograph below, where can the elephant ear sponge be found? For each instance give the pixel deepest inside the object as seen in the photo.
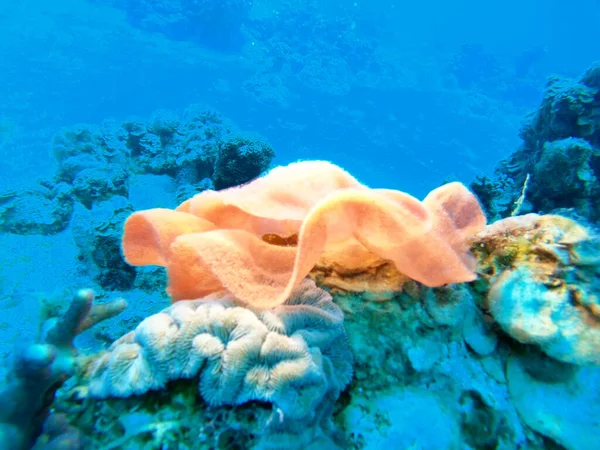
(295, 356)
(260, 240)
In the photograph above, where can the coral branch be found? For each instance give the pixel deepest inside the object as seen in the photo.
(41, 368)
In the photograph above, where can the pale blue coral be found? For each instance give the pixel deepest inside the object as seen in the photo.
(294, 356)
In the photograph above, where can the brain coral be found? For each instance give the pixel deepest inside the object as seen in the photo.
(293, 356)
(260, 240)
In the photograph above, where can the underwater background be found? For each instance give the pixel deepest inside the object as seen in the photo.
(473, 337)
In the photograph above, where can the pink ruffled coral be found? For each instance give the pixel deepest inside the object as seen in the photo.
(260, 240)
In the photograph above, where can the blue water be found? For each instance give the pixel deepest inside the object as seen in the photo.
(403, 95)
(429, 91)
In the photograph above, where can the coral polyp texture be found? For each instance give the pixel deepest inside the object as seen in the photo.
(293, 356)
(544, 275)
(260, 240)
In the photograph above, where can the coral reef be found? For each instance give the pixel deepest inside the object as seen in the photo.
(44, 208)
(40, 369)
(298, 44)
(189, 148)
(215, 25)
(475, 367)
(178, 418)
(197, 150)
(483, 365)
(418, 373)
(490, 361)
(102, 170)
(96, 234)
(240, 159)
(546, 393)
(92, 160)
(431, 319)
(560, 154)
(231, 239)
(294, 357)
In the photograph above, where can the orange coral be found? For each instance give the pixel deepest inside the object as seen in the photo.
(259, 241)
